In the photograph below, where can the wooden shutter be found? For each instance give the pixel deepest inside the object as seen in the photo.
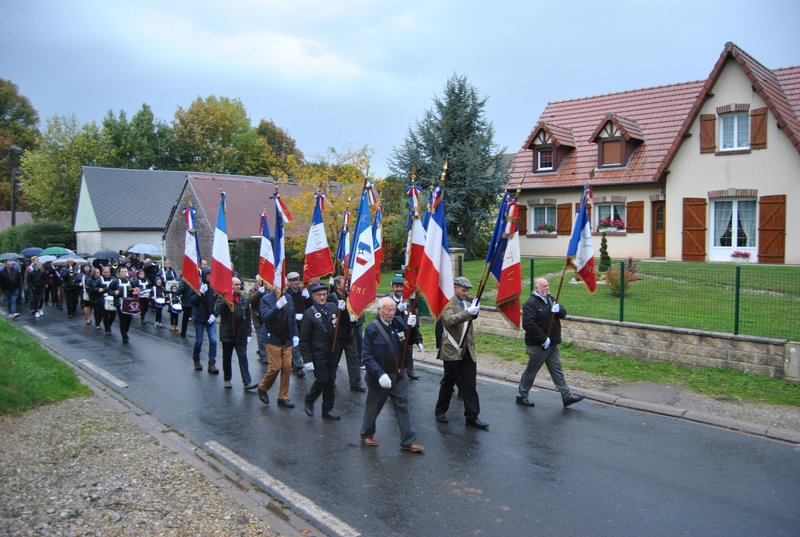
(694, 229)
(634, 212)
(588, 210)
(564, 219)
(758, 128)
(522, 220)
(771, 229)
(612, 153)
(708, 133)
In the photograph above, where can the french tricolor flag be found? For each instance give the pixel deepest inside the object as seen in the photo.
(580, 255)
(318, 255)
(266, 258)
(279, 247)
(415, 244)
(221, 277)
(377, 241)
(362, 261)
(435, 278)
(504, 261)
(191, 252)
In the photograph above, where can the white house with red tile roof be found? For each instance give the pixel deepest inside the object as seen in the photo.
(696, 171)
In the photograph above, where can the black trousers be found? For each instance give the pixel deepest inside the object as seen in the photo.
(124, 324)
(324, 379)
(72, 294)
(187, 312)
(465, 372)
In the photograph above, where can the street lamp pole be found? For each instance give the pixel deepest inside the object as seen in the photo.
(13, 176)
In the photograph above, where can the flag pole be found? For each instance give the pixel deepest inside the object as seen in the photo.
(408, 250)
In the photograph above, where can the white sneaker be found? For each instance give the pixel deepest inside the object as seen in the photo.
(228, 384)
(41, 313)
(37, 315)
(14, 315)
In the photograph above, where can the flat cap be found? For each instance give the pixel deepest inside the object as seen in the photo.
(293, 276)
(462, 282)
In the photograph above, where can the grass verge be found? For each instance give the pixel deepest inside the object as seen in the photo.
(29, 375)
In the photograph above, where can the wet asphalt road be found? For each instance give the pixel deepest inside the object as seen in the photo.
(589, 470)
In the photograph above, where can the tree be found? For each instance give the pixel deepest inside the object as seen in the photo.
(142, 144)
(18, 121)
(282, 145)
(456, 128)
(51, 173)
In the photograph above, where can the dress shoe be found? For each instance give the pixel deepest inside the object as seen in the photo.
(369, 441)
(442, 418)
(525, 402)
(212, 369)
(309, 409)
(251, 386)
(264, 396)
(198, 366)
(357, 389)
(125, 339)
(300, 373)
(331, 415)
(413, 376)
(478, 424)
(414, 448)
(572, 399)
(285, 403)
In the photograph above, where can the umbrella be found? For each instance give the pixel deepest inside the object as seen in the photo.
(106, 254)
(30, 251)
(63, 260)
(9, 255)
(46, 258)
(144, 248)
(55, 250)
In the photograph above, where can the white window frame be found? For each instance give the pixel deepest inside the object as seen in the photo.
(741, 140)
(614, 212)
(539, 159)
(723, 253)
(549, 210)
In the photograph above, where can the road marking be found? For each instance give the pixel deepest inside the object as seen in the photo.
(287, 493)
(103, 373)
(35, 332)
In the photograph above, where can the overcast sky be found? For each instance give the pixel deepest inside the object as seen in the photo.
(349, 73)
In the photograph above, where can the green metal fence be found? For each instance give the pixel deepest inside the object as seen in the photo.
(758, 300)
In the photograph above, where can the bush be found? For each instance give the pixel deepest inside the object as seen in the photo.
(43, 233)
(613, 281)
(605, 259)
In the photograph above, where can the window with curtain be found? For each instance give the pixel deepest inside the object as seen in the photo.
(735, 223)
(610, 212)
(544, 218)
(735, 131)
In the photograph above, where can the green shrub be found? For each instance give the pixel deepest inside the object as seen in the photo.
(613, 281)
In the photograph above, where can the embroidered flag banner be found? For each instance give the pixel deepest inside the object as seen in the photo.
(317, 256)
(191, 252)
(278, 247)
(435, 278)
(362, 284)
(504, 261)
(221, 277)
(343, 247)
(377, 242)
(415, 245)
(580, 254)
(266, 257)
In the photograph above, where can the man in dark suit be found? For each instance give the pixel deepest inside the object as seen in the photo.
(316, 346)
(403, 311)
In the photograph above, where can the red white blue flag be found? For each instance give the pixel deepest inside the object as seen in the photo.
(221, 277)
(266, 258)
(377, 241)
(317, 256)
(191, 252)
(279, 247)
(504, 260)
(415, 244)
(362, 284)
(435, 278)
(580, 255)
(343, 247)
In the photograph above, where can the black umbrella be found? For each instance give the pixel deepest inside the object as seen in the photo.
(106, 254)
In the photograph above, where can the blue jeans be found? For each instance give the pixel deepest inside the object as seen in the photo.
(199, 328)
(11, 296)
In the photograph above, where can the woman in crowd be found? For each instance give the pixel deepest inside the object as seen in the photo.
(144, 292)
(158, 297)
(82, 282)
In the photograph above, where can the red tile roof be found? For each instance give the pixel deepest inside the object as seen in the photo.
(663, 115)
(559, 135)
(628, 127)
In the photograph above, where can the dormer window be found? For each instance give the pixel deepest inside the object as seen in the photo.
(545, 159)
(609, 146)
(616, 138)
(550, 145)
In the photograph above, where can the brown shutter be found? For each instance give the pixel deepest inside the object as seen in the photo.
(522, 220)
(694, 229)
(564, 219)
(612, 153)
(634, 212)
(708, 133)
(771, 229)
(758, 128)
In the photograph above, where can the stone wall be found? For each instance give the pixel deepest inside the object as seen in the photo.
(775, 358)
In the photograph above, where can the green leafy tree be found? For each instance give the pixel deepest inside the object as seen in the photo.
(51, 173)
(18, 127)
(456, 128)
(283, 146)
(143, 143)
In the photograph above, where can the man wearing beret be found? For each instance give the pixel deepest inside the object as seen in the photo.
(316, 342)
(458, 353)
(403, 311)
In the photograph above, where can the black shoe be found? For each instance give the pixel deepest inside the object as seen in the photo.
(212, 369)
(300, 373)
(524, 401)
(264, 396)
(357, 389)
(125, 340)
(198, 366)
(478, 424)
(251, 386)
(285, 403)
(309, 409)
(572, 399)
(108, 332)
(413, 376)
(331, 415)
(442, 418)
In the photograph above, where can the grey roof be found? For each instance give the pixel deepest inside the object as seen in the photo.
(132, 199)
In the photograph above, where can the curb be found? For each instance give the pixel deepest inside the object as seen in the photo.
(773, 433)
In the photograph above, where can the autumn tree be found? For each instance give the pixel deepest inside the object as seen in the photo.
(142, 143)
(18, 128)
(52, 172)
(456, 128)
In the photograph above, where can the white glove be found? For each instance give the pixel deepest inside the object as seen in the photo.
(248, 339)
(385, 381)
(330, 281)
(474, 308)
(556, 307)
(281, 302)
(546, 344)
(412, 320)
(298, 316)
(295, 341)
(402, 306)
(352, 318)
(341, 305)
(305, 293)
(309, 366)
(262, 289)
(420, 347)
(203, 288)
(211, 319)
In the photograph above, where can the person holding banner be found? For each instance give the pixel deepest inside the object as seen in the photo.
(414, 336)
(234, 334)
(457, 351)
(316, 342)
(280, 332)
(541, 320)
(346, 337)
(203, 305)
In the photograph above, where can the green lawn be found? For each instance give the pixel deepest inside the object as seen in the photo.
(29, 375)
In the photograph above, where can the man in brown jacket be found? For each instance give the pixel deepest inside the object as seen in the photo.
(459, 358)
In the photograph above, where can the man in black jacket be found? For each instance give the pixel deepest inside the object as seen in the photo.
(234, 333)
(414, 335)
(346, 337)
(542, 347)
(204, 322)
(10, 282)
(69, 274)
(316, 341)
